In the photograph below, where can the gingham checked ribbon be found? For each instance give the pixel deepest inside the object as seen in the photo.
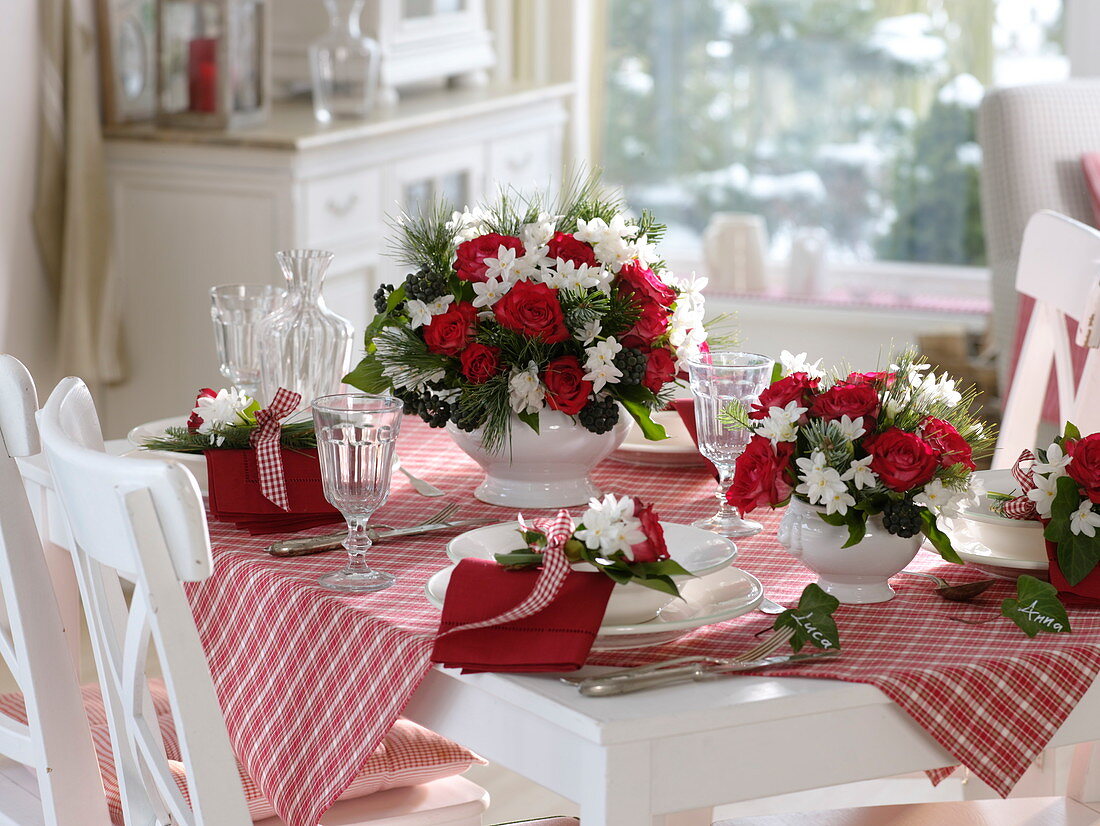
(1021, 507)
(265, 440)
(555, 568)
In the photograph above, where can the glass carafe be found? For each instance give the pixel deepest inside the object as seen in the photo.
(344, 65)
(304, 346)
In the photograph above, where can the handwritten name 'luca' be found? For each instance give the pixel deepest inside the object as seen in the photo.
(812, 630)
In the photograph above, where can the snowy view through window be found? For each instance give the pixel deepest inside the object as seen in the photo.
(856, 116)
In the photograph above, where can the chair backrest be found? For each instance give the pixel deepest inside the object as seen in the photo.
(1060, 270)
(55, 740)
(141, 522)
(1032, 139)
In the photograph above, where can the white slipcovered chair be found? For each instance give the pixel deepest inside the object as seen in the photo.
(1032, 139)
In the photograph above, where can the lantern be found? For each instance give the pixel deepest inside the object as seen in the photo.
(213, 62)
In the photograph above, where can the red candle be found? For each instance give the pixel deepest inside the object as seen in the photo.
(202, 74)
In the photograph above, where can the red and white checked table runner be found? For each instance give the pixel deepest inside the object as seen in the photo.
(310, 681)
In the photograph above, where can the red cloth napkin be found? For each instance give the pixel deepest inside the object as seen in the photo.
(235, 495)
(558, 638)
(686, 409)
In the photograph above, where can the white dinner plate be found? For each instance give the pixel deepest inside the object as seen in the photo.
(678, 450)
(194, 462)
(720, 596)
(700, 552)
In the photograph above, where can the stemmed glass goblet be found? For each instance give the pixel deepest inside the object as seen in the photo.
(235, 310)
(356, 434)
(722, 382)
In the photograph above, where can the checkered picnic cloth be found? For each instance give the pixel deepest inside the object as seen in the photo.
(310, 681)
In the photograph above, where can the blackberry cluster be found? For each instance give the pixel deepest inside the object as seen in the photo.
(382, 297)
(632, 363)
(411, 400)
(902, 518)
(435, 411)
(599, 415)
(468, 417)
(425, 285)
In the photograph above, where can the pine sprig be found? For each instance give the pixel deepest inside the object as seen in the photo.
(423, 239)
(295, 435)
(408, 361)
(492, 397)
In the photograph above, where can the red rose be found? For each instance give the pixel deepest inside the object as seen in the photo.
(194, 421)
(566, 247)
(761, 476)
(449, 332)
(532, 309)
(654, 547)
(1084, 467)
(797, 387)
(566, 389)
(870, 378)
(470, 256)
(480, 362)
(947, 442)
(642, 283)
(651, 324)
(903, 461)
(852, 400)
(660, 369)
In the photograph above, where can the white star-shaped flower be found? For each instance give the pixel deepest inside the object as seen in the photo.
(223, 409)
(420, 312)
(539, 232)
(613, 252)
(602, 352)
(488, 293)
(602, 375)
(1056, 462)
(1084, 520)
(800, 364)
(525, 391)
(851, 430)
(1046, 488)
(837, 500)
(568, 276)
(588, 333)
(781, 423)
(591, 232)
(859, 473)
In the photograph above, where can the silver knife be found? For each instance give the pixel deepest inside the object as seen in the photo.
(327, 542)
(610, 686)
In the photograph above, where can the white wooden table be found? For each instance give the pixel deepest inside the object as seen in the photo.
(632, 760)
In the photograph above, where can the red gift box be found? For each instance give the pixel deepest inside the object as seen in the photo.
(235, 495)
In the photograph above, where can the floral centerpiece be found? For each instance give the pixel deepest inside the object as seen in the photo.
(874, 454)
(1061, 488)
(515, 309)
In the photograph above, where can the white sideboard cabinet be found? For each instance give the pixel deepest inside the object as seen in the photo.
(193, 209)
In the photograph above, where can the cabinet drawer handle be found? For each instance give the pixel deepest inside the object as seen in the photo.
(341, 209)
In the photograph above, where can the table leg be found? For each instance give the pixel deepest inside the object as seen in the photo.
(619, 792)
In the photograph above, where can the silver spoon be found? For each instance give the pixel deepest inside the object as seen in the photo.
(956, 593)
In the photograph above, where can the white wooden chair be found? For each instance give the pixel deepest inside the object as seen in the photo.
(142, 522)
(1060, 268)
(54, 741)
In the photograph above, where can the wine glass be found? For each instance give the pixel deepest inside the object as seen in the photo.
(722, 383)
(235, 310)
(356, 433)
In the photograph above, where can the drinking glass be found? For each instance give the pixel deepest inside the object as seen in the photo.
(717, 381)
(356, 433)
(235, 310)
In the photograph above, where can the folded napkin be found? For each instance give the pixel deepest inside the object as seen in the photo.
(557, 638)
(235, 494)
(686, 409)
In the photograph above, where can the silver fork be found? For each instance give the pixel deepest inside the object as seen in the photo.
(418, 484)
(763, 649)
(281, 547)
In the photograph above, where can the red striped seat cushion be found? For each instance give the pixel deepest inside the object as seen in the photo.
(409, 754)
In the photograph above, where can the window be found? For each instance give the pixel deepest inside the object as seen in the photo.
(855, 116)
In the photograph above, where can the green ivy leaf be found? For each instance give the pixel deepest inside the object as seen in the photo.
(518, 559)
(530, 419)
(1078, 555)
(650, 429)
(664, 567)
(1065, 502)
(837, 520)
(857, 527)
(777, 372)
(1071, 431)
(1036, 608)
(367, 376)
(663, 584)
(812, 620)
(940, 541)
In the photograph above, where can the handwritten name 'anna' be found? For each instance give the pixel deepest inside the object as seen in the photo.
(1035, 615)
